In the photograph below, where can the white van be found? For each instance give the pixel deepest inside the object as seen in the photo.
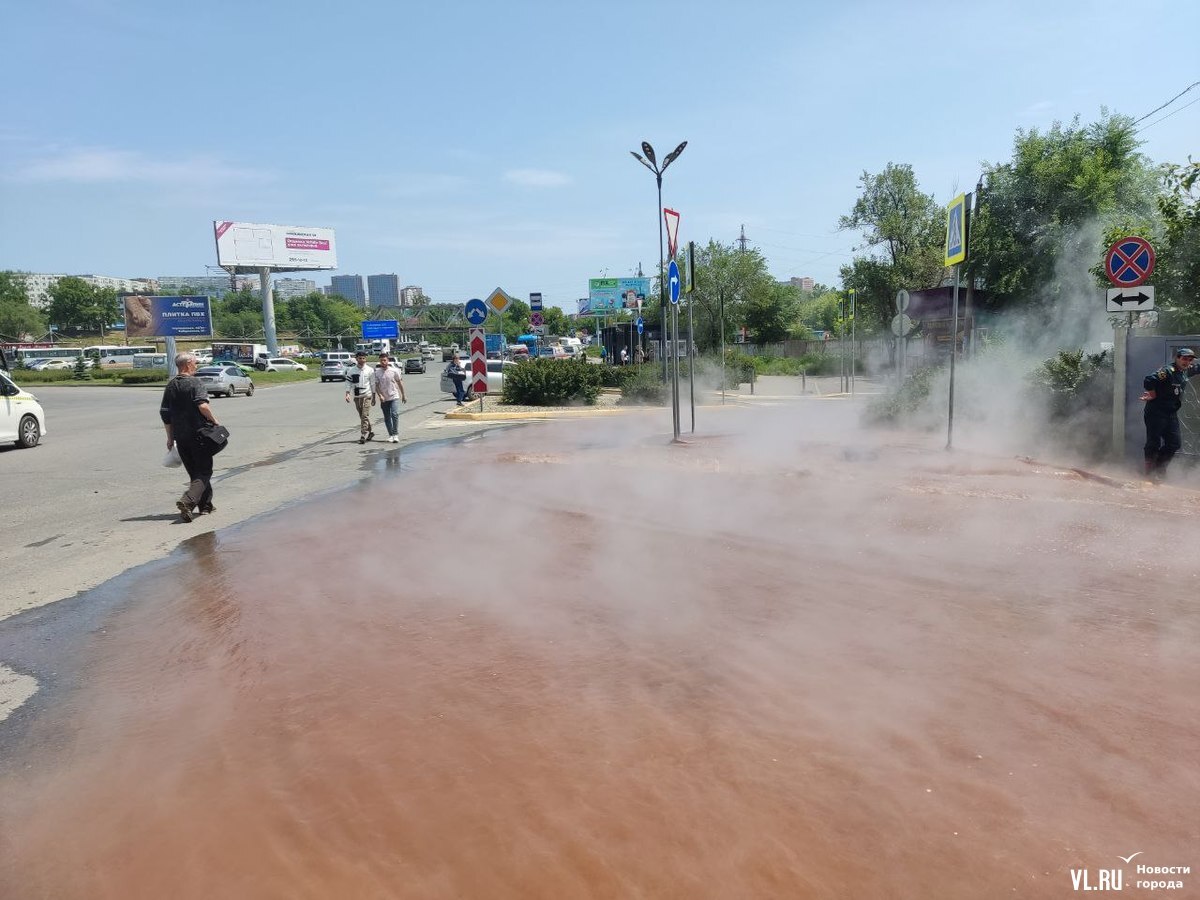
(343, 356)
(22, 420)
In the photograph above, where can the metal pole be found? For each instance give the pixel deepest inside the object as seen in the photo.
(842, 342)
(268, 308)
(691, 362)
(953, 353)
(675, 368)
(662, 278)
(171, 351)
(853, 337)
(721, 303)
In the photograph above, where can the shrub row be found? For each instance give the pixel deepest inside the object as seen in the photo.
(550, 382)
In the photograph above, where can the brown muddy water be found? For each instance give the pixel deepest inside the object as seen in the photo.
(786, 660)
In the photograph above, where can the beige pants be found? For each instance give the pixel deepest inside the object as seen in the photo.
(363, 405)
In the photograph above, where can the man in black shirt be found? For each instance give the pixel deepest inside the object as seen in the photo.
(184, 411)
(1163, 396)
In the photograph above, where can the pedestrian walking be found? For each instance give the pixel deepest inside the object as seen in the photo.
(1163, 396)
(389, 388)
(624, 356)
(184, 410)
(457, 374)
(360, 388)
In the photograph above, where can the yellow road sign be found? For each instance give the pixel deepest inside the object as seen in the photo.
(498, 301)
(956, 230)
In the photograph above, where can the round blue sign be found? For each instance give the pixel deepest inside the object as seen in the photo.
(475, 311)
(640, 325)
(673, 281)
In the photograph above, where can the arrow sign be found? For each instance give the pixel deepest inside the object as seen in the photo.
(475, 311)
(641, 325)
(673, 281)
(478, 361)
(1138, 299)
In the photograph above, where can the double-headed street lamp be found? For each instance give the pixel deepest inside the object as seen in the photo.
(647, 159)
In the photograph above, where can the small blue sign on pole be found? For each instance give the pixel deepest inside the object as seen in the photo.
(475, 311)
(673, 281)
(641, 325)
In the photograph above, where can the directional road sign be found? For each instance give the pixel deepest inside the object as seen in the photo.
(475, 311)
(673, 281)
(478, 348)
(1129, 262)
(956, 230)
(641, 325)
(498, 301)
(1138, 299)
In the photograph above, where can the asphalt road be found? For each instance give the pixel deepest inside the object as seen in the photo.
(94, 499)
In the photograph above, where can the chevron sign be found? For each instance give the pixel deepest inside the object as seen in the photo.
(478, 361)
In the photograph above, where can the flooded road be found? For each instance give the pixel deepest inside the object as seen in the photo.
(790, 659)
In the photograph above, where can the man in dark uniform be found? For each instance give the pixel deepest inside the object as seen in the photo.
(1163, 396)
(184, 411)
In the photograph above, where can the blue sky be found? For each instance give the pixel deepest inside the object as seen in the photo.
(466, 146)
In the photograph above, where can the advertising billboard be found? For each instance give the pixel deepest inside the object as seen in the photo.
(607, 295)
(167, 316)
(377, 329)
(284, 248)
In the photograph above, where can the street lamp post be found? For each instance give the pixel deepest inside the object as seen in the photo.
(650, 162)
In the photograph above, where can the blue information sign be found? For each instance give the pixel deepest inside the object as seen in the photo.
(673, 281)
(377, 329)
(476, 311)
(640, 325)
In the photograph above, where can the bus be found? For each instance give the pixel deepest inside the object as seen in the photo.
(116, 355)
(26, 354)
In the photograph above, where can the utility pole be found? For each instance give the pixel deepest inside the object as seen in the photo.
(742, 240)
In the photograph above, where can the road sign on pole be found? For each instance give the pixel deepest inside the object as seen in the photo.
(478, 361)
(641, 325)
(1129, 262)
(902, 300)
(673, 281)
(691, 264)
(475, 311)
(672, 219)
(1138, 299)
(956, 230)
(498, 301)
(535, 302)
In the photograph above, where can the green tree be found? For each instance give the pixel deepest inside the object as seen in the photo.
(904, 233)
(76, 304)
(1047, 210)
(1177, 269)
(726, 280)
(18, 318)
(770, 315)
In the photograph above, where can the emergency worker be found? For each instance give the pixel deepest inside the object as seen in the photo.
(1163, 396)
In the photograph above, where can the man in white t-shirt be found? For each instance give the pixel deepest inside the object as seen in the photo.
(360, 388)
(389, 388)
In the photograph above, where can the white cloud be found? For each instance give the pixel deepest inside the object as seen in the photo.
(97, 165)
(537, 178)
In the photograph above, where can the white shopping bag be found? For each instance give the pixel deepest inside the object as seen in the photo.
(172, 460)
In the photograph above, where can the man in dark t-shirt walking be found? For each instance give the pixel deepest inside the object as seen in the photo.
(1163, 396)
(184, 411)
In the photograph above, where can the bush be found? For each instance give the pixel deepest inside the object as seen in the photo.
(47, 375)
(642, 384)
(900, 405)
(144, 376)
(551, 382)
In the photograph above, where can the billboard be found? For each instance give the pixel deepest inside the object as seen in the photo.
(377, 329)
(167, 316)
(607, 295)
(243, 245)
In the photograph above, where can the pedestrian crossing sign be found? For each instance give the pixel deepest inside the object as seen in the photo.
(956, 230)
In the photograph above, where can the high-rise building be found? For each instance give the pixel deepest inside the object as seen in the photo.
(216, 286)
(805, 284)
(409, 294)
(38, 285)
(287, 288)
(384, 290)
(350, 287)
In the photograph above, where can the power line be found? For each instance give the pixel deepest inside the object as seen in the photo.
(1168, 103)
(1167, 116)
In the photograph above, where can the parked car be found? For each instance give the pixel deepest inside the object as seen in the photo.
(495, 369)
(22, 420)
(283, 364)
(333, 370)
(225, 381)
(43, 365)
(414, 366)
(245, 369)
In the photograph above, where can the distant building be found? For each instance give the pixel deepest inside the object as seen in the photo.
(383, 290)
(287, 288)
(410, 294)
(215, 286)
(38, 285)
(349, 286)
(805, 284)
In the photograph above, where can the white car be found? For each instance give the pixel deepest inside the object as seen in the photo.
(495, 369)
(43, 365)
(22, 420)
(282, 364)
